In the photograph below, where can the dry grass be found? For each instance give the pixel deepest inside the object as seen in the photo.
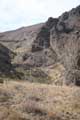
(56, 73)
(21, 50)
(30, 101)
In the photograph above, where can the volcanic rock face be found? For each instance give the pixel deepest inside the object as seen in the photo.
(65, 40)
(43, 38)
(49, 43)
(5, 60)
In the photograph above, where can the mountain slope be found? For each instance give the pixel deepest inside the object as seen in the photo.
(22, 37)
(46, 45)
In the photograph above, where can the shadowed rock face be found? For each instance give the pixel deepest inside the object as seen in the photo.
(43, 45)
(5, 60)
(42, 40)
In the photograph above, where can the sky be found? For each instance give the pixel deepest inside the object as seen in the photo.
(19, 13)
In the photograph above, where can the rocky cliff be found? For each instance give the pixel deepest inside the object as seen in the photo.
(65, 40)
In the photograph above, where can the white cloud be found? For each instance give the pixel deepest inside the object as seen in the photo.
(16, 13)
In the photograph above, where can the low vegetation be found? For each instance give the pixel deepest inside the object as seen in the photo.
(35, 75)
(34, 101)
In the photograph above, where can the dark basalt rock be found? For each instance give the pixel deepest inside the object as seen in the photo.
(43, 37)
(5, 60)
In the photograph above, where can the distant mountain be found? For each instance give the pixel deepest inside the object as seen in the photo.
(53, 46)
(20, 38)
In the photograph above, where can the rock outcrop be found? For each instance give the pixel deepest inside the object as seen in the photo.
(65, 40)
(5, 60)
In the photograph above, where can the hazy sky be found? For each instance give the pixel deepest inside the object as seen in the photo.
(17, 13)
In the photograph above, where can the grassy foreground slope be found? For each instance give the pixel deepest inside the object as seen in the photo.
(30, 101)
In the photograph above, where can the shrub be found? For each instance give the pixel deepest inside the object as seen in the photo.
(1, 80)
(34, 107)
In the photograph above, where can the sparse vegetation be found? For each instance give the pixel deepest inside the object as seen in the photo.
(24, 100)
(36, 75)
(1, 80)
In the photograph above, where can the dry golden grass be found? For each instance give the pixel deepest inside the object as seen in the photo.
(30, 101)
(22, 50)
(56, 73)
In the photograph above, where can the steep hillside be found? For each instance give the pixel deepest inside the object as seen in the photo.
(47, 45)
(21, 38)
